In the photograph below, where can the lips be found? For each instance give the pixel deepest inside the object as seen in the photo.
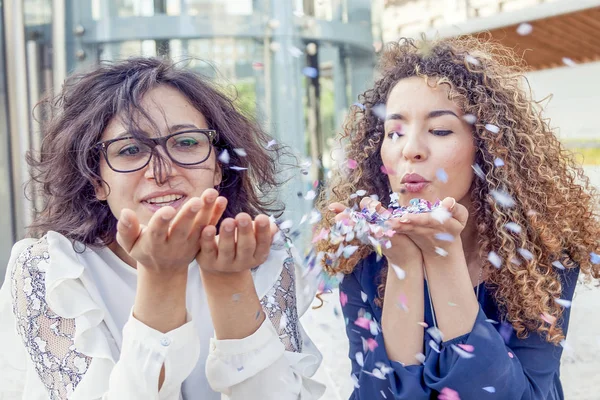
(414, 183)
(413, 178)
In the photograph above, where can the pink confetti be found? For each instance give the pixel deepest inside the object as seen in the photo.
(386, 171)
(343, 299)
(423, 324)
(372, 344)
(352, 164)
(467, 347)
(511, 355)
(321, 236)
(363, 323)
(550, 319)
(448, 394)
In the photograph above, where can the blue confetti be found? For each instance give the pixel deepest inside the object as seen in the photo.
(311, 72)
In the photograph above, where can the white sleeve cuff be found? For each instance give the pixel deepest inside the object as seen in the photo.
(145, 350)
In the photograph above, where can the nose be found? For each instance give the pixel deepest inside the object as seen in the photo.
(415, 148)
(160, 168)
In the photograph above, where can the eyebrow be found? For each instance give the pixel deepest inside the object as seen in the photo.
(432, 114)
(172, 129)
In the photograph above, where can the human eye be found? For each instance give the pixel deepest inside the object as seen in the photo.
(129, 149)
(186, 142)
(441, 132)
(394, 135)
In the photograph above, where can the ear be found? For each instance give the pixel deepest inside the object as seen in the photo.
(218, 177)
(101, 192)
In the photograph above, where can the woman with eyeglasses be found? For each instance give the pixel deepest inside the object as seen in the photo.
(153, 238)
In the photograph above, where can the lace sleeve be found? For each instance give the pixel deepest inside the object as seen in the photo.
(280, 306)
(48, 337)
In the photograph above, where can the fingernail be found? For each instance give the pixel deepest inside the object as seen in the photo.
(262, 224)
(195, 208)
(126, 223)
(210, 199)
(167, 217)
(404, 220)
(331, 208)
(228, 228)
(243, 223)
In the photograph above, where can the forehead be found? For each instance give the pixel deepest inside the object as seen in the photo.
(417, 94)
(165, 106)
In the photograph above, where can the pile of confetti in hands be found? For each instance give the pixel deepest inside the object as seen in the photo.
(368, 227)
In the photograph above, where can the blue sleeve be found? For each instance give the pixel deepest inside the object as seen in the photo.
(514, 368)
(377, 377)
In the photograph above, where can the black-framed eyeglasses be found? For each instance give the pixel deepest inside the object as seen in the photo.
(185, 148)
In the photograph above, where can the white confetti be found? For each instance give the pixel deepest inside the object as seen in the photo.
(502, 198)
(513, 227)
(224, 157)
(379, 111)
(441, 215)
(310, 195)
(568, 62)
(524, 29)
(594, 258)
(490, 389)
(400, 273)
(498, 162)
(295, 52)
(469, 119)
(420, 357)
(492, 128)
(526, 254)
(363, 296)
(349, 250)
(361, 193)
(287, 224)
(441, 251)
(444, 237)
(240, 152)
(472, 60)
(383, 394)
(434, 346)
(271, 143)
(478, 171)
(378, 374)
(563, 302)
(236, 168)
(359, 359)
(303, 219)
(436, 334)
(442, 175)
(558, 264)
(495, 259)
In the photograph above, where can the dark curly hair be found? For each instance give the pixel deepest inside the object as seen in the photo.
(555, 203)
(67, 168)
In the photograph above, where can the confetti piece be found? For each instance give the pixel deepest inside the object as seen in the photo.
(363, 323)
(359, 359)
(462, 353)
(526, 254)
(492, 128)
(236, 297)
(434, 346)
(498, 162)
(502, 198)
(372, 344)
(441, 214)
(568, 62)
(287, 224)
(295, 52)
(240, 152)
(448, 394)
(491, 321)
(240, 369)
(383, 394)
(352, 164)
(511, 355)
(436, 334)
(469, 119)
(549, 319)
(271, 144)
(310, 72)
(467, 347)
(423, 324)
(402, 302)
(478, 171)
(379, 111)
(513, 227)
(420, 357)
(361, 192)
(490, 389)
(343, 299)
(471, 60)
(444, 237)
(224, 157)
(378, 374)
(310, 195)
(349, 250)
(594, 258)
(563, 302)
(451, 304)
(494, 259)
(524, 29)
(400, 273)
(359, 105)
(236, 168)
(515, 261)
(441, 251)
(363, 296)
(442, 175)
(558, 265)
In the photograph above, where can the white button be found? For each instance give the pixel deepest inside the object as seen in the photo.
(165, 341)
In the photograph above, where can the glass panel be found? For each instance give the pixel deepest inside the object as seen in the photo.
(37, 12)
(216, 7)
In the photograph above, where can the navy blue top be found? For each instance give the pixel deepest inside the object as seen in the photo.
(503, 366)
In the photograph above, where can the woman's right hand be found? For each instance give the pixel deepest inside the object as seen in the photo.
(403, 250)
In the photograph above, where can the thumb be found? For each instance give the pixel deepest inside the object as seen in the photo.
(336, 207)
(458, 211)
(128, 229)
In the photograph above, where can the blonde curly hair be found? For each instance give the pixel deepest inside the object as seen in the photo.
(555, 203)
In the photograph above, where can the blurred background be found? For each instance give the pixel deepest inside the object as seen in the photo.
(297, 65)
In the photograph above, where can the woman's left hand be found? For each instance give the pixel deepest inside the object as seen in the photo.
(436, 232)
(242, 244)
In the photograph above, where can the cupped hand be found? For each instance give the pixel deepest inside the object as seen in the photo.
(242, 244)
(170, 241)
(438, 232)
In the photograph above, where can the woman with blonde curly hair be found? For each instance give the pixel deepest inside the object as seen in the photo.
(477, 299)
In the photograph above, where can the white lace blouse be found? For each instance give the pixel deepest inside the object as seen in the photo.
(66, 332)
